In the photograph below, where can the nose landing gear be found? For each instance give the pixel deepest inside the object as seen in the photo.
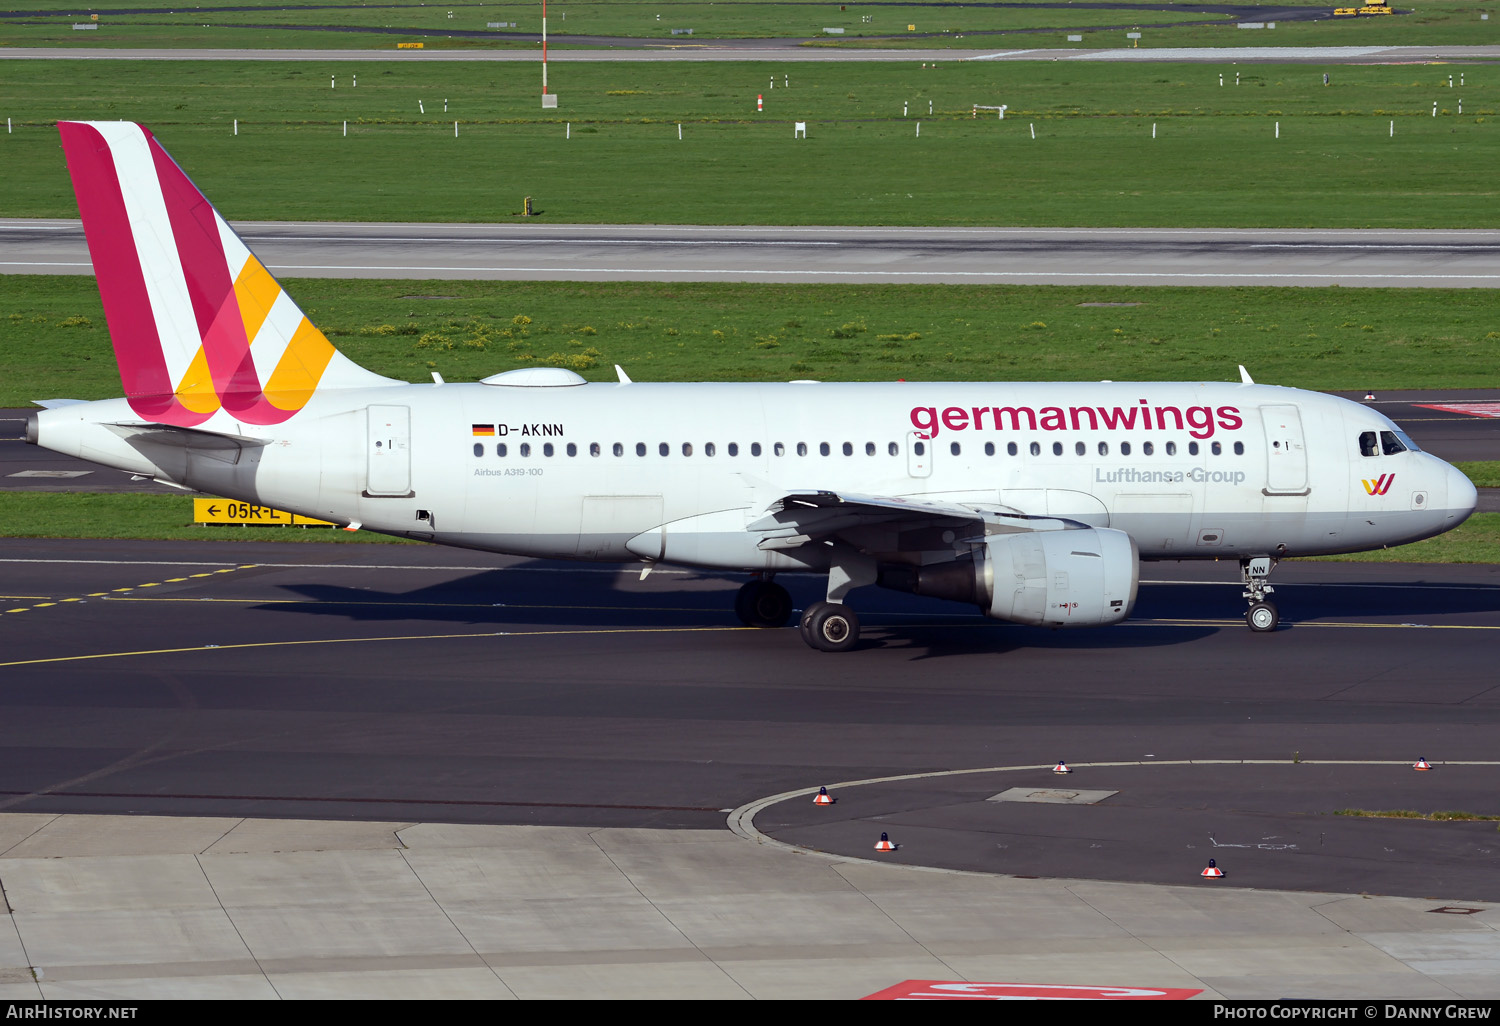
(1262, 614)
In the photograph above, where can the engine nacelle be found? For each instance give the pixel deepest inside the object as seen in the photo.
(1079, 578)
(1076, 577)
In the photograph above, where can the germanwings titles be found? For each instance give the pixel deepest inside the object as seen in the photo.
(1034, 502)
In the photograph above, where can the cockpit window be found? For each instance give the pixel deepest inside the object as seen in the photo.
(1368, 445)
(1390, 444)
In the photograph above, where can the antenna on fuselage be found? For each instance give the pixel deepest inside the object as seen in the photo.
(624, 378)
(1245, 376)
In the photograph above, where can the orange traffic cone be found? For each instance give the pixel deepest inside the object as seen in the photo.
(823, 797)
(1422, 764)
(1061, 767)
(884, 844)
(1213, 870)
(1369, 396)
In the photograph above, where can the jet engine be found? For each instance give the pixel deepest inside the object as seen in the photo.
(1077, 577)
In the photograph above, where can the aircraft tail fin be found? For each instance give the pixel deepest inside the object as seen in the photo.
(198, 323)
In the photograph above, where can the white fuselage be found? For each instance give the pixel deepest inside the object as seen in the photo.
(676, 472)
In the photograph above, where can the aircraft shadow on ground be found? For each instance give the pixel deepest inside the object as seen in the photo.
(1336, 601)
(503, 599)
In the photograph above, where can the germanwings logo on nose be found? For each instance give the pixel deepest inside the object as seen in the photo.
(1380, 485)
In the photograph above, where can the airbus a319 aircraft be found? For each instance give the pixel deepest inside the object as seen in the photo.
(1035, 502)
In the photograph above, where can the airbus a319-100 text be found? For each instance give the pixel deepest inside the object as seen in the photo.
(1035, 502)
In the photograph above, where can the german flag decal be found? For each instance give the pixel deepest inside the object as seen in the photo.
(484, 431)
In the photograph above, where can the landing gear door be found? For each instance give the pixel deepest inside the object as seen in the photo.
(1286, 451)
(388, 452)
(918, 454)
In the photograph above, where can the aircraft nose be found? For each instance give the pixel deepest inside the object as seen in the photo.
(1462, 495)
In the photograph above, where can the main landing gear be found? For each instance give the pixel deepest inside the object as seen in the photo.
(1262, 614)
(828, 626)
(763, 603)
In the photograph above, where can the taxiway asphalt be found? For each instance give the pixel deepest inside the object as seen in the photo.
(328, 681)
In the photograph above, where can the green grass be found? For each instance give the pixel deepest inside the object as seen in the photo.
(55, 343)
(1484, 473)
(143, 515)
(956, 26)
(1448, 816)
(1216, 160)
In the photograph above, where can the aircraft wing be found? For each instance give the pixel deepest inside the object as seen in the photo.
(888, 523)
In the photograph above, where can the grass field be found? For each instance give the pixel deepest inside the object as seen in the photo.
(259, 23)
(164, 517)
(56, 343)
(1216, 161)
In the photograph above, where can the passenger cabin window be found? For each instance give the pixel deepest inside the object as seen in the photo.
(920, 448)
(733, 448)
(1010, 449)
(663, 449)
(1171, 448)
(708, 449)
(1057, 448)
(1147, 448)
(1103, 448)
(547, 449)
(1239, 448)
(1124, 448)
(572, 449)
(754, 448)
(478, 448)
(1036, 448)
(892, 449)
(869, 448)
(619, 449)
(525, 448)
(1080, 448)
(594, 449)
(989, 448)
(848, 449)
(823, 449)
(1390, 444)
(801, 448)
(500, 449)
(1217, 448)
(640, 448)
(1192, 448)
(1368, 444)
(954, 448)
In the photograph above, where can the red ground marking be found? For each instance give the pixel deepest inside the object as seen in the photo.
(940, 990)
(1472, 409)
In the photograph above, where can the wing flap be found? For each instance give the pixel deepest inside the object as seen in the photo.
(801, 517)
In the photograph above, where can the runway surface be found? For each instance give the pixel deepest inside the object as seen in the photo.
(1060, 256)
(784, 53)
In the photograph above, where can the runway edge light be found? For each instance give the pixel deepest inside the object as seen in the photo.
(1213, 871)
(822, 797)
(884, 844)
